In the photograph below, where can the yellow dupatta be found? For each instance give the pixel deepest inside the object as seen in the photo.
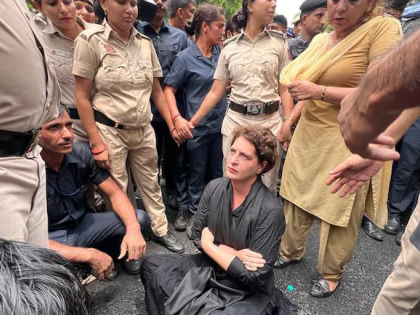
(310, 66)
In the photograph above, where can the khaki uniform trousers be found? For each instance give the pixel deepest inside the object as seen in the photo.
(400, 294)
(336, 243)
(138, 147)
(23, 204)
(272, 122)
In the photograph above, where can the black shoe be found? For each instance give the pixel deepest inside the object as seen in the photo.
(280, 262)
(132, 267)
(372, 230)
(393, 226)
(170, 201)
(181, 221)
(189, 227)
(321, 288)
(398, 238)
(171, 243)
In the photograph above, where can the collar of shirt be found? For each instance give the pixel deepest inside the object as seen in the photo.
(300, 37)
(199, 54)
(108, 31)
(52, 29)
(257, 38)
(164, 27)
(67, 159)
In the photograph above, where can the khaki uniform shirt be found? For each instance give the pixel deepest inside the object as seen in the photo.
(122, 73)
(253, 67)
(41, 22)
(28, 85)
(60, 51)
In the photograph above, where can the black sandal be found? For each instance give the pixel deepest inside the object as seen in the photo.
(321, 288)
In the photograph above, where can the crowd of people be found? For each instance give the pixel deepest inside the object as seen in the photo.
(116, 107)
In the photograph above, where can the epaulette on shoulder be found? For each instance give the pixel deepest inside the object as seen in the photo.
(92, 30)
(145, 37)
(278, 34)
(230, 40)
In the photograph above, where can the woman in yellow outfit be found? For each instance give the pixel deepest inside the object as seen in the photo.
(320, 78)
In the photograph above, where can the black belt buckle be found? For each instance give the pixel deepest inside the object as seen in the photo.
(254, 109)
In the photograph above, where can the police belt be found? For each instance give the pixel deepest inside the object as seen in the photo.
(18, 143)
(73, 113)
(255, 109)
(104, 120)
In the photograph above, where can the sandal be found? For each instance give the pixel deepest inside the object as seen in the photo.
(321, 288)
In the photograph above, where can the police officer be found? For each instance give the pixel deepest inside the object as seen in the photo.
(168, 41)
(252, 64)
(120, 66)
(29, 98)
(181, 13)
(312, 18)
(193, 72)
(59, 38)
(279, 24)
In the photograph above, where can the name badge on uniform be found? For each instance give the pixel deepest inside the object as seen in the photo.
(60, 53)
(109, 48)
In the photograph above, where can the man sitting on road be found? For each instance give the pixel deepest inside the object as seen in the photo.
(78, 235)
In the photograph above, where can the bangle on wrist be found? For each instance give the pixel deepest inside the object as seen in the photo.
(177, 118)
(289, 118)
(173, 130)
(323, 93)
(174, 118)
(192, 121)
(96, 152)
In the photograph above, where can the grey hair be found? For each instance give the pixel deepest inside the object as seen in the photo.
(38, 281)
(174, 5)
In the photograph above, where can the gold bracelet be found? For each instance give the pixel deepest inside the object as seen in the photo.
(323, 93)
(289, 118)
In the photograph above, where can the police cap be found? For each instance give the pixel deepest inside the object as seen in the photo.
(398, 3)
(310, 5)
(280, 19)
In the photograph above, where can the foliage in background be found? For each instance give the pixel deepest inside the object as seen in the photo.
(230, 6)
(413, 2)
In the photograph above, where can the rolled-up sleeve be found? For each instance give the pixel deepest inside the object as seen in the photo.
(176, 77)
(265, 241)
(85, 63)
(222, 70)
(157, 69)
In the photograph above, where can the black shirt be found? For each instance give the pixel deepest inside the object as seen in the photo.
(66, 190)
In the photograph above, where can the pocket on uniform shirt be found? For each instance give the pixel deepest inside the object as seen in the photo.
(62, 70)
(115, 69)
(238, 68)
(145, 72)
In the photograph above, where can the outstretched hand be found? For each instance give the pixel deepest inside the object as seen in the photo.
(352, 174)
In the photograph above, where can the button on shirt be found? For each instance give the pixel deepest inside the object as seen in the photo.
(122, 74)
(193, 73)
(66, 190)
(28, 85)
(168, 43)
(253, 67)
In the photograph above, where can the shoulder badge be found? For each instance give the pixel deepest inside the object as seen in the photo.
(230, 40)
(92, 30)
(278, 34)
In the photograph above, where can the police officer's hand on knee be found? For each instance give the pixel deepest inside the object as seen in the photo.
(183, 129)
(133, 245)
(101, 263)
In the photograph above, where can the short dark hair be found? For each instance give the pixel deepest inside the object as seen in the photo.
(264, 141)
(205, 13)
(232, 27)
(174, 5)
(38, 281)
(280, 19)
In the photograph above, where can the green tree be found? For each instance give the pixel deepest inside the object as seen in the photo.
(413, 2)
(230, 6)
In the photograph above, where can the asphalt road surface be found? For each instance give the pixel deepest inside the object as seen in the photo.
(371, 264)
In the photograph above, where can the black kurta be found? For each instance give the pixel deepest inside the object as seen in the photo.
(195, 284)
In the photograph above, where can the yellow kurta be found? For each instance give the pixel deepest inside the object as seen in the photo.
(317, 146)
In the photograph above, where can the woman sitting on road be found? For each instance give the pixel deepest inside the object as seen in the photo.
(238, 228)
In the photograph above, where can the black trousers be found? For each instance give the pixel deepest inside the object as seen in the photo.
(103, 231)
(204, 161)
(172, 163)
(405, 179)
